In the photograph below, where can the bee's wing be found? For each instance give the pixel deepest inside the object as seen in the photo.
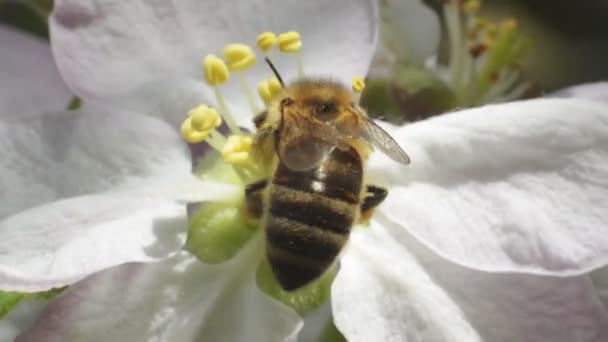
(380, 139)
(302, 144)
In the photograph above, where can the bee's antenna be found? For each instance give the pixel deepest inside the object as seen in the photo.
(274, 71)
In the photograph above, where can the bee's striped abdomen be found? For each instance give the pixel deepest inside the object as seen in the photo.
(310, 214)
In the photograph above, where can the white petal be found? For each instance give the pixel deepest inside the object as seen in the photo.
(179, 299)
(597, 91)
(73, 153)
(20, 318)
(409, 29)
(63, 242)
(411, 294)
(104, 50)
(31, 83)
(513, 187)
(600, 282)
(400, 302)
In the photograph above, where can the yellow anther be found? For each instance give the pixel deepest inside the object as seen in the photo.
(239, 57)
(204, 118)
(472, 6)
(358, 84)
(266, 41)
(274, 85)
(216, 71)
(236, 150)
(264, 91)
(268, 89)
(191, 135)
(290, 42)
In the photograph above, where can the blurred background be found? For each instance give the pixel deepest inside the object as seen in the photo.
(570, 37)
(569, 46)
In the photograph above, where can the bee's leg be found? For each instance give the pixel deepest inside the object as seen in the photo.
(254, 199)
(372, 197)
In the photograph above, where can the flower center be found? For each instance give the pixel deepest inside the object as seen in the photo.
(217, 231)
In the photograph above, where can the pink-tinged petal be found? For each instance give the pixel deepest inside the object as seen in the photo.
(415, 295)
(30, 81)
(179, 299)
(20, 319)
(600, 281)
(514, 187)
(105, 51)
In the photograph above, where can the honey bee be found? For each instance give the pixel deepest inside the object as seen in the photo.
(317, 141)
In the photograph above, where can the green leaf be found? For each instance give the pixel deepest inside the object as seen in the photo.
(303, 300)
(9, 300)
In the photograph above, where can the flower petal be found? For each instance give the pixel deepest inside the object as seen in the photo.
(19, 319)
(31, 82)
(600, 281)
(179, 299)
(410, 30)
(65, 241)
(73, 153)
(424, 297)
(513, 187)
(597, 91)
(105, 51)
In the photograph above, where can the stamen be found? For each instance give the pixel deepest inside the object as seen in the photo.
(499, 53)
(358, 86)
(290, 42)
(216, 74)
(266, 41)
(241, 57)
(236, 150)
(268, 89)
(457, 42)
(200, 126)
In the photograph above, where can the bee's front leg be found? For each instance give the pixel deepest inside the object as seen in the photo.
(372, 197)
(254, 199)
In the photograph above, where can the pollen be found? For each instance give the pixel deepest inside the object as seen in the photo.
(239, 57)
(358, 84)
(204, 118)
(236, 149)
(268, 89)
(266, 41)
(216, 71)
(201, 121)
(290, 42)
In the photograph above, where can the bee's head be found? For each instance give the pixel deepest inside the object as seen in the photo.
(323, 100)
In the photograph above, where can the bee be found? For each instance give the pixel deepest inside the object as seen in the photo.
(316, 141)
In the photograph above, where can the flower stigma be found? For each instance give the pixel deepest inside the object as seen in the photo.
(218, 231)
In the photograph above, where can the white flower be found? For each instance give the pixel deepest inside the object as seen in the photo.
(487, 235)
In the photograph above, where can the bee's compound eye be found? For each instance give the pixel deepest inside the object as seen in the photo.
(326, 111)
(288, 101)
